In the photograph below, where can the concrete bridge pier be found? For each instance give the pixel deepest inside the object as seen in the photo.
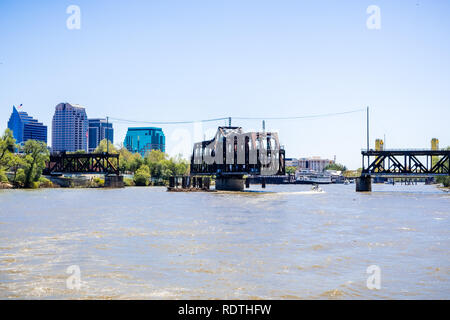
(114, 181)
(230, 183)
(364, 184)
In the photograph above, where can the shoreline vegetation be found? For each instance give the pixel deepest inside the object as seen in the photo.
(22, 167)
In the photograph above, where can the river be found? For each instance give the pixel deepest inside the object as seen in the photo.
(282, 242)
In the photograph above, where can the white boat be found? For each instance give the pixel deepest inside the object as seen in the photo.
(313, 178)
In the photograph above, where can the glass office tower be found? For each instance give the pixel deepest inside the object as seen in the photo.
(26, 128)
(145, 139)
(99, 129)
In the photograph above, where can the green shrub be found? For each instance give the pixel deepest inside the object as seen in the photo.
(142, 176)
(97, 182)
(128, 182)
(45, 183)
(3, 177)
(444, 180)
(20, 177)
(34, 184)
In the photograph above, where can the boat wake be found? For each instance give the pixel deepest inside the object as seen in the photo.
(302, 192)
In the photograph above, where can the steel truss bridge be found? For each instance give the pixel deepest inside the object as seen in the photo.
(405, 163)
(105, 163)
(233, 152)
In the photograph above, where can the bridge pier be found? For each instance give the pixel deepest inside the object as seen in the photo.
(232, 183)
(114, 181)
(364, 184)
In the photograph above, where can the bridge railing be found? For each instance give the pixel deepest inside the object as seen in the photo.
(405, 149)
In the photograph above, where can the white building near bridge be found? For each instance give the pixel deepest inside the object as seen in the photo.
(314, 163)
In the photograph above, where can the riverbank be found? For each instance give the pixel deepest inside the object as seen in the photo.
(95, 182)
(444, 189)
(5, 185)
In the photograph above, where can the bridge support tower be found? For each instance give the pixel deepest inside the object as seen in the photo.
(364, 184)
(230, 183)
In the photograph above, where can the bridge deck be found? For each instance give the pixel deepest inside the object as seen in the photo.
(403, 152)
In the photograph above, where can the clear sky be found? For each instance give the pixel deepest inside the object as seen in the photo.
(191, 59)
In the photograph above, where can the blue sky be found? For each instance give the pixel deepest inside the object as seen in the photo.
(192, 59)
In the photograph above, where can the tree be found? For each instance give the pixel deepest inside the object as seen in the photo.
(135, 162)
(7, 145)
(7, 156)
(125, 157)
(445, 180)
(142, 176)
(155, 161)
(103, 146)
(155, 156)
(167, 169)
(182, 168)
(36, 154)
(81, 151)
(352, 173)
(336, 166)
(290, 170)
(15, 164)
(3, 177)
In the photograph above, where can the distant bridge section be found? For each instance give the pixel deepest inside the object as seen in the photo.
(401, 163)
(406, 163)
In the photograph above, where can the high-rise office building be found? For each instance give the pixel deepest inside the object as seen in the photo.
(26, 128)
(99, 129)
(69, 128)
(143, 140)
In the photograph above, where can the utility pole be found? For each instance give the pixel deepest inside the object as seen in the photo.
(107, 135)
(368, 143)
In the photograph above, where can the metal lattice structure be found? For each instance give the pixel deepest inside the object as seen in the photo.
(406, 163)
(83, 163)
(235, 152)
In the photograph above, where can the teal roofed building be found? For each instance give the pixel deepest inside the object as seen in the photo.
(145, 139)
(24, 127)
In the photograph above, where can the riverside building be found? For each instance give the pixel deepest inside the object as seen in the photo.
(314, 163)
